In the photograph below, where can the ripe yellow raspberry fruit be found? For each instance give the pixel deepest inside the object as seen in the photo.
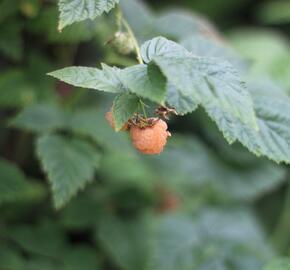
(110, 119)
(150, 139)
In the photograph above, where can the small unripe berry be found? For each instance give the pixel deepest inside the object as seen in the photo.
(123, 43)
(150, 139)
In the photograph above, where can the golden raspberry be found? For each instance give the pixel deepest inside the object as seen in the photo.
(110, 119)
(150, 139)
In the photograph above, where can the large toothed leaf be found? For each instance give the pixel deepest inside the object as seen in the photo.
(273, 113)
(146, 81)
(69, 164)
(106, 79)
(182, 103)
(124, 106)
(72, 11)
(40, 118)
(210, 82)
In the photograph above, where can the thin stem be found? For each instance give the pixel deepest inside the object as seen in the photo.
(280, 236)
(135, 42)
(143, 108)
(119, 18)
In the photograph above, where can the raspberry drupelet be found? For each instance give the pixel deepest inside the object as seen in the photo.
(150, 139)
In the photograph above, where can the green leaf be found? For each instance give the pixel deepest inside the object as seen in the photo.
(14, 89)
(69, 164)
(93, 124)
(222, 182)
(106, 80)
(129, 169)
(278, 264)
(207, 47)
(13, 184)
(210, 82)
(72, 11)
(10, 258)
(81, 257)
(213, 239)
(45, 238)
(8, 10)
(124, 106)
(45, 24)
(41, 262)
(10, 39)
(272, 139)
(127, 241)
(176, 99)
(145, 81)
(81, 213)
(161, 46)
(40, 118)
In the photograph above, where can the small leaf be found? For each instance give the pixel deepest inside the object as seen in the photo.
(78, 10)
(11, 40)
(124, 106)
(13, 185)
(106, 80)
(161, 46)
(70, 165)
(40, 118)
(19, 93)
(145, 81)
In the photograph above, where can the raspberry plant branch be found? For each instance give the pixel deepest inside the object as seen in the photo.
(132, 36)
(142, 105)
(121, 20)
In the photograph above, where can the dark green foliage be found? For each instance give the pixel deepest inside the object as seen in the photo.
(75, 194)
